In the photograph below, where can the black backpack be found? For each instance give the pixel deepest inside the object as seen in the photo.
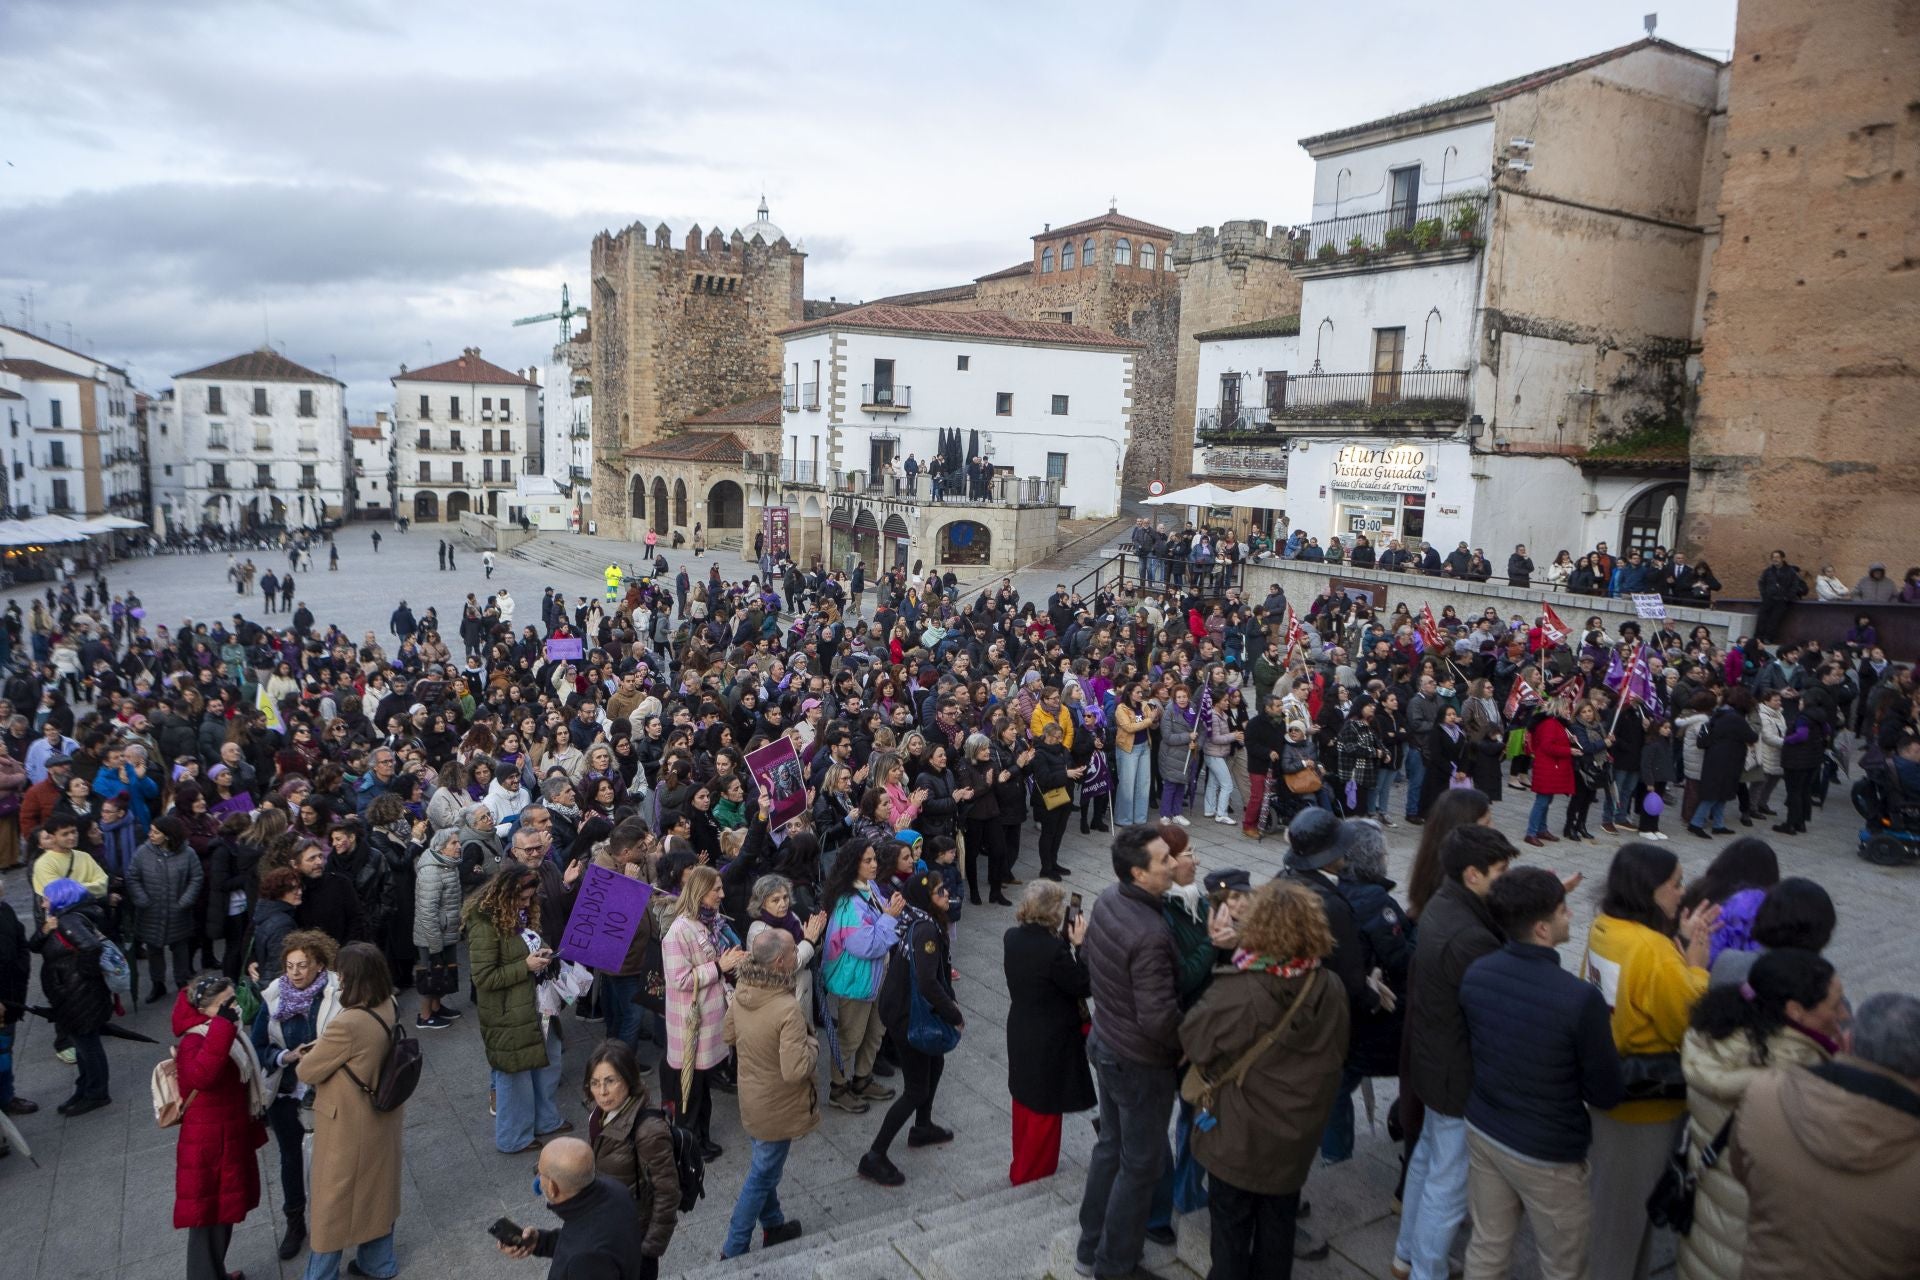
(688, 1164)
(399, 1073)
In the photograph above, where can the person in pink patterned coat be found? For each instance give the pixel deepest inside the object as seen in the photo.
(698, 952)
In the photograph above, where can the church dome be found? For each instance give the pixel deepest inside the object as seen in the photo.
(762, 227)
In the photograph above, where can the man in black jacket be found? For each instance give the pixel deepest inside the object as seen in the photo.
(600, 1236)
(1456, 929)
(328, 901)
(1520, 567)
(1134, 1048)
(15, 966)
(1266, 744)
(1542, 1043)
(1317, 846)
(1780, 585)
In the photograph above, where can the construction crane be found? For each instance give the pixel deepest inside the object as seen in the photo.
(564, 315)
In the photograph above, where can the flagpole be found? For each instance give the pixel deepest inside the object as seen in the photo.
(1626, 691)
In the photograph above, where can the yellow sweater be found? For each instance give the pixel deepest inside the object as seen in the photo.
(1041, 720)
(1651, 989)
(81, 869)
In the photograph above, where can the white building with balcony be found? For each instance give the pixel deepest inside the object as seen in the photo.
(167, 466)
(262, 442)
(82, 455)
(461, 429)
(1500, 298)
(372, 445)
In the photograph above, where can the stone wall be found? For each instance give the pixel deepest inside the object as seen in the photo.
(1155, 322)
(1812, 344)
(1235, 276)
(677, 332)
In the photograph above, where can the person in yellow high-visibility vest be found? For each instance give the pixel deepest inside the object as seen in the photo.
(613, 583)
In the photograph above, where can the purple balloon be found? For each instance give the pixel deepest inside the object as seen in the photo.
(1651, 804)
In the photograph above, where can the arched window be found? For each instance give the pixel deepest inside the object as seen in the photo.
(1089, 253)
(1066, 256)
(1046, 260)
(1122, 253)
(1147, 255)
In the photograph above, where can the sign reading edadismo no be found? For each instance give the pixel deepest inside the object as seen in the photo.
(1400, 469)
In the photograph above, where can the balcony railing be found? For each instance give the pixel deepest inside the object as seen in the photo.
(218, 482)
(1455, 223)
(810, 395)
(1410, 395)
(790, 396)
(796, 471)
(885, 399)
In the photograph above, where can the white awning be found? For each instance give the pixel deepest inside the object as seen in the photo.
(1199, 495)
(1261, 497)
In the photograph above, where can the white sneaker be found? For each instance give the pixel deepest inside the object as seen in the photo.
(1181, 818)
(1225, 819)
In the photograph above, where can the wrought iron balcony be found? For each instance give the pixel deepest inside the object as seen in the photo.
(1412, 395)
(885, 399)
(1453, 227)
(218, 482)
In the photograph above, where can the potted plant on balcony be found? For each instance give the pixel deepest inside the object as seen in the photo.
(1356, 246)
(1328, 252)
(1428, 233)
(1465, 223)
(1397, 240)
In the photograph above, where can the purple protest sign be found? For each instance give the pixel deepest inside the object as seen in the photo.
(605, 917)
(776, 769)
(566, 647)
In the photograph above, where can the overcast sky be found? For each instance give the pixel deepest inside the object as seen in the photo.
(378, 183)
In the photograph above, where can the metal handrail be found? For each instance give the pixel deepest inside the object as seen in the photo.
(1458, 221)
(894, 397)
(1425, 394)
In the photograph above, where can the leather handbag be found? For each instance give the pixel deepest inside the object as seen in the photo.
(1054, 797)
(1304, 782)
(436, 979)
(1197, 1088)
(1671, 1203)
(1653, 1077)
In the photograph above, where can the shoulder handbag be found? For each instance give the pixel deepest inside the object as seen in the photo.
(169, 1108)
(1653, 1077)
(1303, 782)
(927, 1031)
(1671, 1203)
(1197, 1088)
(1054, 797)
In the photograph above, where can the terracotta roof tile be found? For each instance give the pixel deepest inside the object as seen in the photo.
(965, 324)
(264, 365)
(1489, 94)
(950, 293)
(10, 395)
(695, 446)
(40, 371)
(761, 411)
(364, 433)
(468, 367)
(1118, 221)
(1272, 327)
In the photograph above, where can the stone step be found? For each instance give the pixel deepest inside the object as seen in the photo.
(1013, 1248)
(1156, 1258)
(961, 1222)
(881, 1263)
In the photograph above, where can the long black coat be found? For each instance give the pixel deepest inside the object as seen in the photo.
(70, 975)
(1047, 1068)
(1728, 737)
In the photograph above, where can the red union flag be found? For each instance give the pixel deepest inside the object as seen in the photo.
(1522, 695)
(1295, 634)
(1554, 629)
(1429, 629)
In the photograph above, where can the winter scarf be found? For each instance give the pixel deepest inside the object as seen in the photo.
(294, 1003)
(1246, 961)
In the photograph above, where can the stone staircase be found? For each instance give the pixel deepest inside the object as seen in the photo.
(1007, 1234)
(571, 561)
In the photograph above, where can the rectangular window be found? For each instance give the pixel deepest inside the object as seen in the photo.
(486, 406)
(453, 408)
(459, 473)
(426, 473)
(263, 475)
(882, 382)
(1059, 406)
(1057, 467)
(960, 362)
(219, 479)
(426, 407)
(1229, 394)
(1406, 196)
(1389, 349)
(260, 400)
(309, 478)
(486, 470)
(306, 404)
(1276, 390)
(426, 438)
(1003, 403)
(168, 469)
(214, 403)
(56, 455)
(20, 470)
(453, 438)
(486, 442)
(60, 502)
(506, 471)
(506, 414)
(53, 407)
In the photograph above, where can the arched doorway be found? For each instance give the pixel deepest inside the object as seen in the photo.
(839, 537)
(866, 538)
(1653, 519)
(726, 506)
(893, 540)
(215, 513)
(637, 498)
(965, 542)
(458, 504)
(426, 507)
(659, 505)
(680, 504)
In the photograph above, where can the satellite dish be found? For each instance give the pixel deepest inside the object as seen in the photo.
(1156, 488)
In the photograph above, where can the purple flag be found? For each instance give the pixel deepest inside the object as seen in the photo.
(1616, 670)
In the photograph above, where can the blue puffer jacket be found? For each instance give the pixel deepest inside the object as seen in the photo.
(1542, 1052)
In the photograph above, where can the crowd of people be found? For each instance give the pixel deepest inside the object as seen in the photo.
(283, 831)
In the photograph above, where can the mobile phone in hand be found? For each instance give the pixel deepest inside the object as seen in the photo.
(504, 1230)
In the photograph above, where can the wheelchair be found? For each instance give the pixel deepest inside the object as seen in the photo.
(1891, 834)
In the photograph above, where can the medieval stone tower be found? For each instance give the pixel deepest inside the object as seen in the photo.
(676, 332)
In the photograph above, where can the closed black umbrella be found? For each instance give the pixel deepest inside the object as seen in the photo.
(973, 443)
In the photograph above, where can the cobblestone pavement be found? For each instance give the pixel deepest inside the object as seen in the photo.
(99, 1203)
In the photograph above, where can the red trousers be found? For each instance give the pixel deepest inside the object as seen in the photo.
(1036, 1145)
(1256, 799)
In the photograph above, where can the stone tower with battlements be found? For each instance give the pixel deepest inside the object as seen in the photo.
(677, 332)
(1236, 275)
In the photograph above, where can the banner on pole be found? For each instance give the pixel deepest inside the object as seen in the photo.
(565, 648)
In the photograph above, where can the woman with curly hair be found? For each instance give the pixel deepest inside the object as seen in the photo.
(509, 961)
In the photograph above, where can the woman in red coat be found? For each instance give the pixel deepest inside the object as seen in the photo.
(1552, 750)
(216, 1179)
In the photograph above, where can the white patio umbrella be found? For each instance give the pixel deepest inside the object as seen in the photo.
(1199, 495)
(1261, 497)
